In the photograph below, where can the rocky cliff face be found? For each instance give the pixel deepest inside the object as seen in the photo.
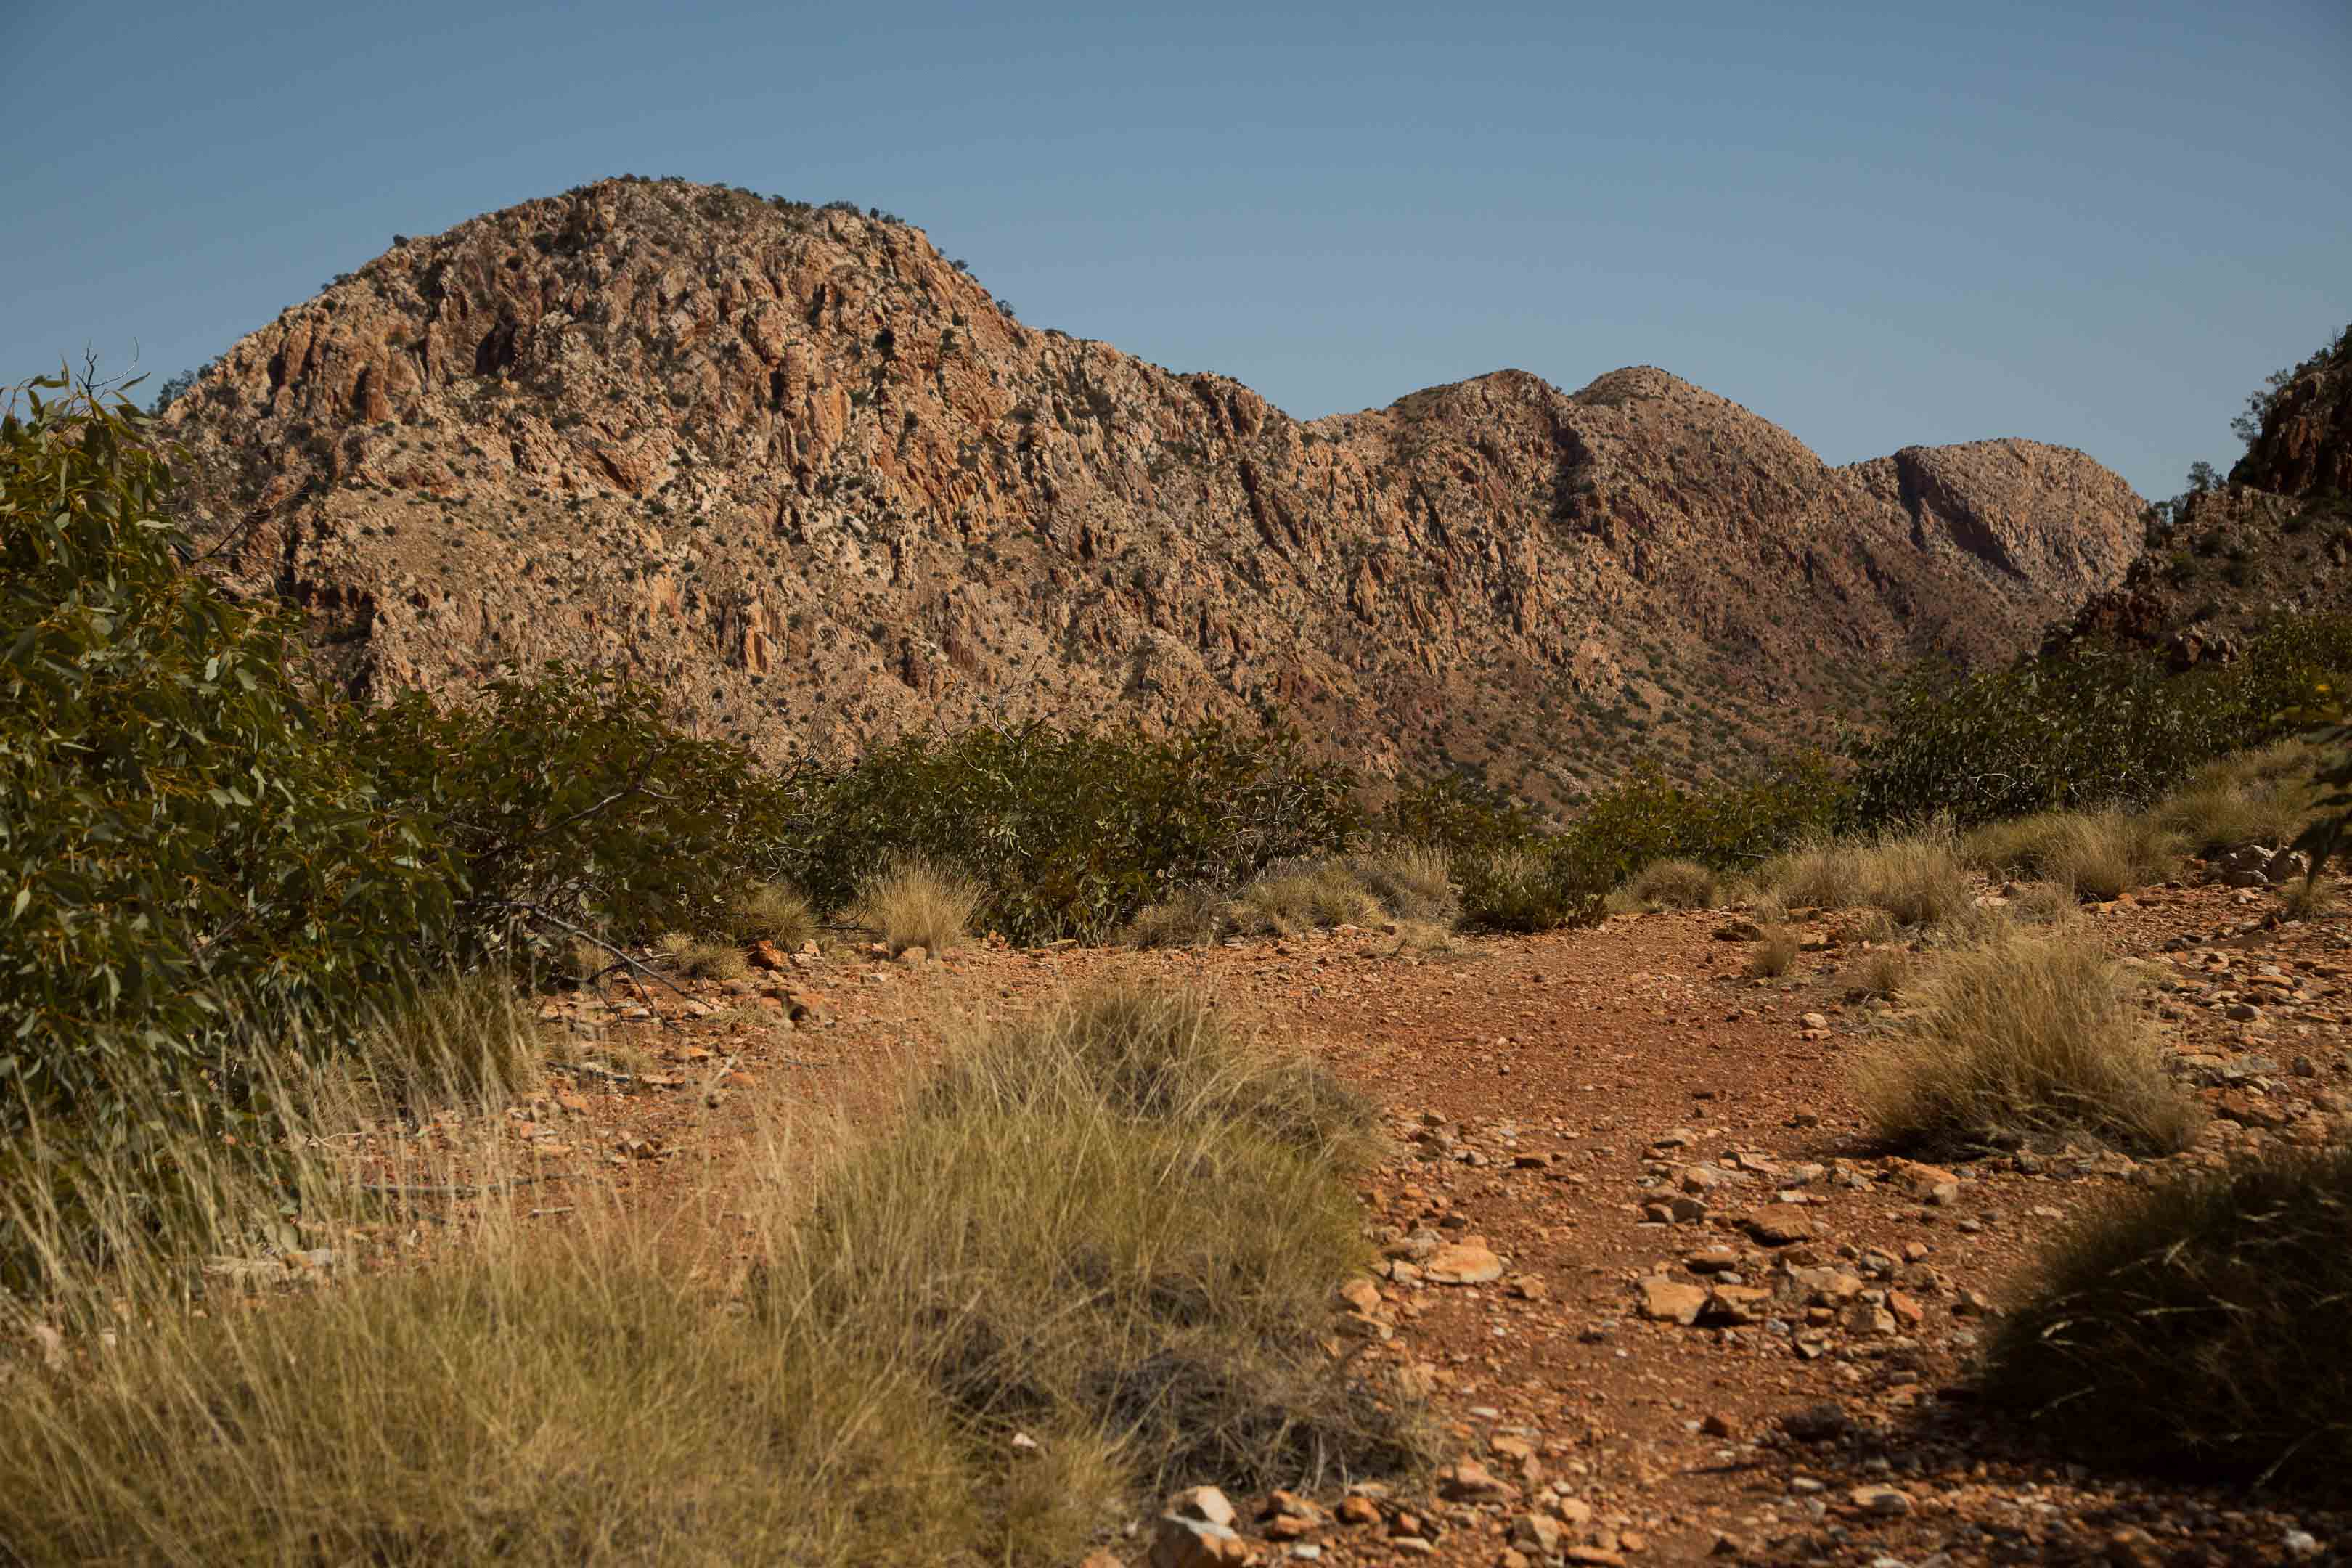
(2305, 446)
(2275, 540)
(803, 472)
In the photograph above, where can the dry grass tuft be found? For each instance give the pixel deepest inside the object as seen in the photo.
(1302, 896)
(462, 1041)
(2309, 898)
(1116, 1229)
(2022, 1033)
(1917, 878)
(2265, 796)
(1775, 954)
(1883, 971)
(563, 1401)
(1194, 917)
(771, 911)
(1675, 885)
(2196, 1329)
(915, 903)
(1413, 882)
(700, 959)
(2097, 855)
(1177, 1194)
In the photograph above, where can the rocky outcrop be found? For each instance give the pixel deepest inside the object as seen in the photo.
(2304, 448)
(803, 472)
(2044, 516)
(2276, 541)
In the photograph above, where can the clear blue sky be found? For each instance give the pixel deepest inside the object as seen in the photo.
(1876, 224)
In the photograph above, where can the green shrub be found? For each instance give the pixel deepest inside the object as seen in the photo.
(187, 864)
(1649, 818)
(1068, 834)
(569, 803)
(2196, 1329)
(2083, 730)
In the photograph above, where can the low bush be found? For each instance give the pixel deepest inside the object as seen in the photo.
(1069, 834)
(2022, 1033)
(913, 902)
(2196, 1329)
(2086, 729)
(569, 803)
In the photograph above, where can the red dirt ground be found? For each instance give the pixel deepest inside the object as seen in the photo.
(1544, 1090)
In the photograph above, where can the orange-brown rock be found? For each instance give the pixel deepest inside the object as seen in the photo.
(805, 474)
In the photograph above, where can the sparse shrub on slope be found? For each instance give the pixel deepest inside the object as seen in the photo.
(2020, 1033)
(181, 848)
(2198, 1329)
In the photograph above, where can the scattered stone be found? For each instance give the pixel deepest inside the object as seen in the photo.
(1782, 1230)
(1889, 1502)
(1467, 1480)
(1465, 1262)
(1668, 1301)
(1817, 1422)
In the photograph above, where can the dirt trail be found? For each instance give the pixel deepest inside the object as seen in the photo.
(1555, 1097)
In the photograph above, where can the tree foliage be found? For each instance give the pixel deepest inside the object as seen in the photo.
(181, 848)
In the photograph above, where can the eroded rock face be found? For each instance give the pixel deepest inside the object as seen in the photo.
(801, 470)
(2305, 446)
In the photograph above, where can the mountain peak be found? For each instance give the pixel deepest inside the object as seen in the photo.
(797, 466)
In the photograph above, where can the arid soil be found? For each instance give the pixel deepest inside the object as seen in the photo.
(1715, 1322)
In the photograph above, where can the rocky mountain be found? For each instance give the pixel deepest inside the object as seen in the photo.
(800, 469)
(2275, 540)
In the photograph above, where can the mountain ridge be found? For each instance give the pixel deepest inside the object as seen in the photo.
(799, 470)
